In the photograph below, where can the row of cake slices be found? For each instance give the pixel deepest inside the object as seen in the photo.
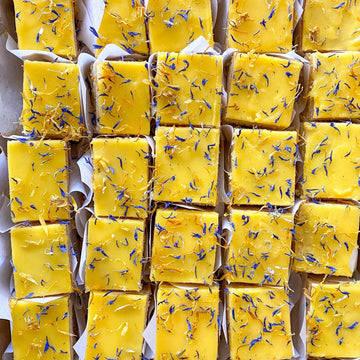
(187, 90)
(188, 320)
(259, 25)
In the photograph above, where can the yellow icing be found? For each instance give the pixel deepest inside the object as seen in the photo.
(187, 322)
(116, 321)
(184, 246)
(262, 90)
(332, 159)
(51, 100)
(329, 25)
(120, 178)
(259, 323)
(263, 26)
(188, 89)
(123, 24)
(122, 97)
(42, 329)
(40, 256)
(333, 320)
(260, 248)
(174, 24)
(46, 25)
(114, 254)
(326, 238)
(186, 165)
(263, 167)
(38, 177)
(334, 85)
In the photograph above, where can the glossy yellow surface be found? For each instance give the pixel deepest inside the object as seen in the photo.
(51, 100)
(184, 246)
(333, 320)
(262, 91)
(41, 259)
(186, 325)
(122, 93)
(115, 325)
(332, 159)
(123, 24)
(113, 255)
(188, 90)
(186, 165)
(329, 25)
(260, 249)
(334, 85)
(174, 24)
(259, 323)
(42, 329)
(38, 177)
(263, 26)
(263, 167)
(46, 25)
(120, 178)
(326, 239)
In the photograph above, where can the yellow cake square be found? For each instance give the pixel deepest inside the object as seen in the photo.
(122, 94)
(258, 323)
(334, 86)
(184, 246)
(331, 161)
(123, 24)
(51, 100)
(260, 25)
(326, 239)
(333, 320)
(114, 254)
(41, 260)
(42, 329)
(121, 177)
(260, 248)
(263, 167)
(188, 89)
(262, 90)
(115, 324)
(187, 322)
(329, 25)
(186, 165)
(174, 24)
(38, 177)
(46, 25)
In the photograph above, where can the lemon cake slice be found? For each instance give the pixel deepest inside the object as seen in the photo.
(188, 89)
(258, 323)
(262, 90)
(260, 25)
(123, 24)
(263, 167)
(46, 25)
(116, 321)
(121, 176)
(260, 248)
(326, 238)
(42, 328)
(174, 24)
(331, 162)
(187, 322)
(186, 165)
(38, 177)
(114, 254)
(51, 100)
(184, 246)
(41, 260)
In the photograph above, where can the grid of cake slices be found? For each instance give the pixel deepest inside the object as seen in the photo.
(216, 209)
